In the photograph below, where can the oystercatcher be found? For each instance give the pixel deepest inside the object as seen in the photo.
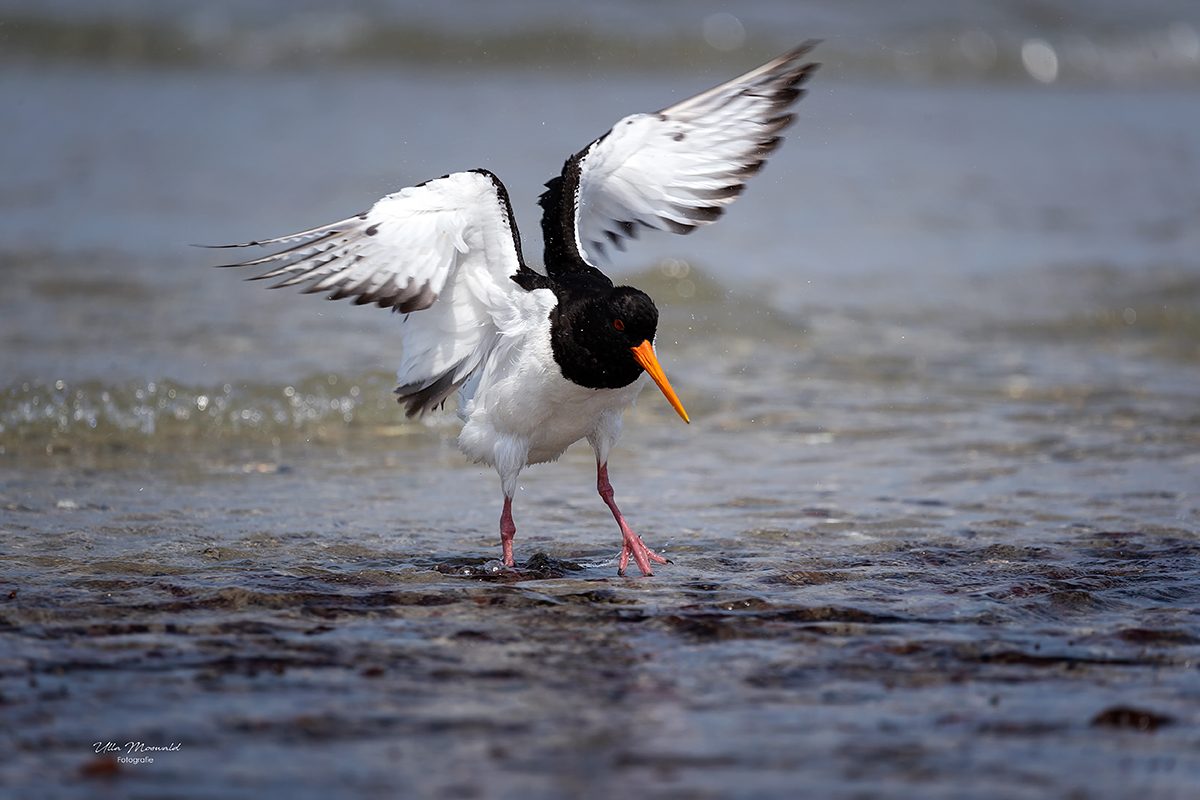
(541, 361)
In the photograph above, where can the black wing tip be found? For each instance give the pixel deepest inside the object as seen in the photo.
(701, 215)
(229, 247)
(239, 264)
(421, 398)
(675, 226)
(802, 49)
(788, 77)
(728, 192)
(803, 75)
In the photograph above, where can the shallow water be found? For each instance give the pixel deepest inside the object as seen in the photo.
(933, 528)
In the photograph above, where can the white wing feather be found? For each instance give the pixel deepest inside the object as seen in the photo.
(446, 248)
(677, 169)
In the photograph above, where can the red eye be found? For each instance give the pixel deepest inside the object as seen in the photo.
(618, 324)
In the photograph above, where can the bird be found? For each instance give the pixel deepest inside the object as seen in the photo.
(541, 360)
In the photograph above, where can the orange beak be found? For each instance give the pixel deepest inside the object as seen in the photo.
(644, 353)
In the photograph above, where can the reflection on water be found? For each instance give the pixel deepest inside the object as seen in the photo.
(933, 528)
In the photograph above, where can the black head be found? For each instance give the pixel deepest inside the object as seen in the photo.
(603, 338)
(594, 338)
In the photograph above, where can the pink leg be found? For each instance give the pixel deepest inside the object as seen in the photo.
(507, 529)
(631, 543)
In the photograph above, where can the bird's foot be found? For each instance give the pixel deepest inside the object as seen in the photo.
(631, 543)
(642, 555)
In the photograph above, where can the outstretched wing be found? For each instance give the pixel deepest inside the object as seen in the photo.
(674, 170)
(448, 248)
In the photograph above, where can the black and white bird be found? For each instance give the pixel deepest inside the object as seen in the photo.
(540, 361)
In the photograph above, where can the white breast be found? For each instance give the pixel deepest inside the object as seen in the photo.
(523, 411)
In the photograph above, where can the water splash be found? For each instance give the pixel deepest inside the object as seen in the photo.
(62, 417)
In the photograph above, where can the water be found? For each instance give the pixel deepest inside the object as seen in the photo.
(933, 528)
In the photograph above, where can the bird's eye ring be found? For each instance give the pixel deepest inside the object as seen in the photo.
(619, 324)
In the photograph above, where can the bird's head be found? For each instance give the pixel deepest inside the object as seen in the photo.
(621, 326)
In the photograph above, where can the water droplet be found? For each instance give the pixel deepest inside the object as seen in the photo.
(1040, 60)
(979, 48)
(1185, 40)
(724, 31)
